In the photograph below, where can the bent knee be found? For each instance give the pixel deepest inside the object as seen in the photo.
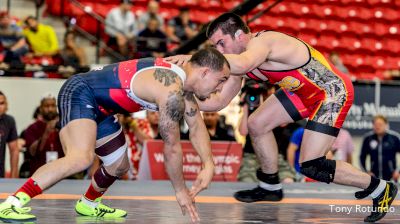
(258, 126)
(119, 168)
(122, 169)
(80, 162)
(320, 169)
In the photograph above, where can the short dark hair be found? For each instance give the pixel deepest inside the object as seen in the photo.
(1, 93)
(209, 57)
(229, 23)
(29, 18)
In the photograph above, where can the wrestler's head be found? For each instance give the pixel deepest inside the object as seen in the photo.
(229, 34)
(208, 70)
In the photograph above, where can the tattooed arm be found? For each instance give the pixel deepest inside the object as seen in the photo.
(200, 139)
(171, 108)
(171, 111)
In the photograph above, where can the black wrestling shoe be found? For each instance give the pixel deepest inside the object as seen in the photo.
(258, 194)
(381, 204)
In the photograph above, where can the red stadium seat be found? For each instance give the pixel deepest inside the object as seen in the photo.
(328, 42)
(230, 4)
(387, 14)
(323, 11)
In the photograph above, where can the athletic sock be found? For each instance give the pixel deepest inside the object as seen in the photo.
(92, 194)
(378, 188)
(28, 191)
(269, 182)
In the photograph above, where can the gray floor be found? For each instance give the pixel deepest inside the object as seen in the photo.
(295, 208)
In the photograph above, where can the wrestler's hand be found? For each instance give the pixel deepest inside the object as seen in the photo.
(187, 205)
(179, 60)
(203, 180)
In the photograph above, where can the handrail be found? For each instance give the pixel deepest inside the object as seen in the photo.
(260, 13)
(97, 39)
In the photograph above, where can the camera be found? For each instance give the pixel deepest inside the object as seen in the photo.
(253, 91)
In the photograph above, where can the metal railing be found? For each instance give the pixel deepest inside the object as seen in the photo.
(97, 39)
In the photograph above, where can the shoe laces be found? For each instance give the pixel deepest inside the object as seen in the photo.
(104, 208)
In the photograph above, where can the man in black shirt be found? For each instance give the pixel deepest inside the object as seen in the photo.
(217, 133)
(152, 42)
(8, 134)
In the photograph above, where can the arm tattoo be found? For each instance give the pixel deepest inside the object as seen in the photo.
(191, 113)
(170, 116)
(190, 98)
(165, 76)
(175, 105)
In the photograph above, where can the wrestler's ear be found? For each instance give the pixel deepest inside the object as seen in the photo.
(238, 34)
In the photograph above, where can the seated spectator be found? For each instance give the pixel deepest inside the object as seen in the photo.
(337, 62)
(12, 40)
(217, 133)
(8, 135)
(152, 42)
(42, 139)
(72, 54)
(152, 11)
(181, 28)
(42, 38)
(121, 27)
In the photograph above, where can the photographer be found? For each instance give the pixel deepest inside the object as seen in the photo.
(42, 139)
(252, 95)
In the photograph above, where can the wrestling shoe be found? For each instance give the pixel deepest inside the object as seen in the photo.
(100, 210)
(381, 204)
(10, 213)
(258, 194)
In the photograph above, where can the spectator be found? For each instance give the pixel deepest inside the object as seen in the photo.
(42, 38)
(217, 133)
(152, 42)
(72, 54)
(181, 28)
(153, 119)
(42, 139)
(121, 27)
(381, 145)
(337, 62)
(12, 40)
(152, 11)
(8, 134)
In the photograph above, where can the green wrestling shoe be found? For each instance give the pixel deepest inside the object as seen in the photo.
(10, 213)
(100, 210)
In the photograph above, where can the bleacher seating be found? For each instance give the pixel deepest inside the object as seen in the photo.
(365, 33)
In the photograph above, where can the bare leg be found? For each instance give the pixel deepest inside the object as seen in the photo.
(78, 139)
(269, 115)
(315, 145)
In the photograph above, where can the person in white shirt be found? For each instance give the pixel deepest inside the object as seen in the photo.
(121, 26)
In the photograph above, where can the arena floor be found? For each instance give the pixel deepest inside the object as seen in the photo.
(154, 202)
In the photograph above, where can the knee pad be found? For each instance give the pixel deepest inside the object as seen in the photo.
(320, 169)
(103, 179)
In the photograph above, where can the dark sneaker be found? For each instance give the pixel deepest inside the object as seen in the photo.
(381, 204)
(258, 194)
